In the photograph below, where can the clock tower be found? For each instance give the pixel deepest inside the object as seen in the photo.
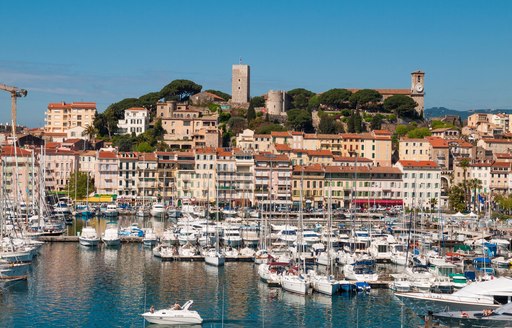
(418, 90)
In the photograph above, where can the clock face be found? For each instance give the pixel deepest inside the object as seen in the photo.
(419, 87)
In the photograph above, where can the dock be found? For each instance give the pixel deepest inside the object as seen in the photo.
(74, 239)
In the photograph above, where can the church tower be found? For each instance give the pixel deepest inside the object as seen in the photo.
(418, 90)
(240, 84)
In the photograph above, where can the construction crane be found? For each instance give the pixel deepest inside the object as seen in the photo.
(15, 93)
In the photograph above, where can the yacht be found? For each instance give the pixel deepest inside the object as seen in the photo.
(360, 271)
(89, 237)
(214, 257)
(324, 284)
(310, 237)
(295, 283)
(111, 210)
(158, 210)
(174, 316)
(474, 297)
(501, 317)
(231, 237)
(288, 235)
(111, 236)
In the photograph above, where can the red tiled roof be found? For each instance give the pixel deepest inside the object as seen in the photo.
(214, 95)
(77, 105)
(437, 142)
(72, 141)
(107, 155)
(382, 132)
(320, 152)
(136, 108)
(461, 143)
(147, 157)
(267, 157)
(351, 159)
(418, 164)
(309, 168)
(9, 151)
(60, 151)
(285, 134)
(282, 147)
(507, 141)
(206, 150)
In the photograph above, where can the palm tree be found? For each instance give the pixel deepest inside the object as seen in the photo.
(464, 164)
(475, 185)
(90, 132)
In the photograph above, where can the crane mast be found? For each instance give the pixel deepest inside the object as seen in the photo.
(15, 93)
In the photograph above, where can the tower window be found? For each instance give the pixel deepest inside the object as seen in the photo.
(419, 78)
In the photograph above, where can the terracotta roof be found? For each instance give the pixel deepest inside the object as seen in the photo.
(503, 155)
(60, 151)
(147, 157)
(72, 141)
(406, 139)
(382, 132)
(507, 141)
(107, 155)
(49, 145)
(285, 134)
(266, 157)
(309, 168)
(56, 134)
(127, 155)
(362, 169)
(418, 164)
(480, 164)
(322, 152)
(88, 153)
(9, 151)
(350, 135)
(206, 150)
(437, 142)
(213, 95)
(77, 105)
(297, 133)
(461, 143)
(282, 147)
(501, 164)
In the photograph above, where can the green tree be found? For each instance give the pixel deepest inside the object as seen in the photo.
(251, 113)
(81, 185)
(90, 131)
(440, 124)
(474, 185)
(123, 142)
(237, 124)
(365, 98)
(300, 120)
(269, 128)
(456, 198)
(433, 203)
(401, 105)
(144, 147)
(376, 123)
(221, 94)
(257, 101)
(180, 90)
(299, 98)
(327, 125)
(335, 98)
(313, 103)
(419, 133)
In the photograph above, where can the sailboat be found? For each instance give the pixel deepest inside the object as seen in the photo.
(214, 256)
(326, 284)
(142, 212)
(296, 281)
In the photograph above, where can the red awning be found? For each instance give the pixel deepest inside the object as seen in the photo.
(378, 201)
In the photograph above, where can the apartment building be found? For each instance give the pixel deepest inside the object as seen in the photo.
(272, 181)
(128, 175)
(59, 164)
(185, 176)
(189, 130)
(87, 162)
(136, 121)
(20, 173)
(421, 183)
(412, 149)
(62, 116)
(146, 182)
(205, 179)
(106, 175)
(166, 172)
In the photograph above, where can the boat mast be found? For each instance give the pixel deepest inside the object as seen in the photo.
(300, 234)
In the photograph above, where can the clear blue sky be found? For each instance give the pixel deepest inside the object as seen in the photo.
(105, 51)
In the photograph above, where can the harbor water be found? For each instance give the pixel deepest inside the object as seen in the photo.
(73, 286)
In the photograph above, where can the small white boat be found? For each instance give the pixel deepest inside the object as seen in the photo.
(181, 316)
(150, 238)
(111, 236)
(158, 210)
(214, 257)
(89, 237)
(111, 211)
(298, 284)
(324, 284)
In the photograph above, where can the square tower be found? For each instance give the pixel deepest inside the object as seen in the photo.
(241, 84)
(418, 90)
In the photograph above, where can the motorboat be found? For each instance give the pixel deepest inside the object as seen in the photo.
(174, 316)
(89, 237)
(261, 256)
(158, 210)
(361, 271)
(111, 236)
(231, 237)
(476, 296)
(150, 238)
(111, 211)
(500, 317)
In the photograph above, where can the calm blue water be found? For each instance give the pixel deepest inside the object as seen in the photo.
(72, 286)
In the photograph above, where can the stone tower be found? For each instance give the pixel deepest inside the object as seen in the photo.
(418, 90)
(241, 84)
(275, 102)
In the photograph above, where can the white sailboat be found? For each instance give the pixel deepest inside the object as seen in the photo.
(214, 256)
(296, 281)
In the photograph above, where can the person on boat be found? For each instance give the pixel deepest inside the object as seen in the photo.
(152, 309)
(176, 306)
(487, 312)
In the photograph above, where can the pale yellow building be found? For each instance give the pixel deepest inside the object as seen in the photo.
(411, 149)
(61, 116)
(188, 130)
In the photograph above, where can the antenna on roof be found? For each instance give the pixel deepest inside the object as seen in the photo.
(240, 60)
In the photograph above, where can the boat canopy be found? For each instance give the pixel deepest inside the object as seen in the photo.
(498, 286)
(505, 309)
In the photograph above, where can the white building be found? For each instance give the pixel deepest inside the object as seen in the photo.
(136, 120)
(421, 183)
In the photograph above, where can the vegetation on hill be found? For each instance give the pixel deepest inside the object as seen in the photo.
(221, 94)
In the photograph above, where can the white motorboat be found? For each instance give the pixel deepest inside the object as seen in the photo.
(474, 297)
(89, 237)
(214, 257)
(158, 210)
(111, 210)
(174, 316)
(232, 237)
(150, 238)
(360, 271)
(501, 317)
(111, 236)
(261, 256)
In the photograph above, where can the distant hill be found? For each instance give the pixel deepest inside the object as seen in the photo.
(442, 111)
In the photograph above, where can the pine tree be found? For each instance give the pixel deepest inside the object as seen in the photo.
(251, 113)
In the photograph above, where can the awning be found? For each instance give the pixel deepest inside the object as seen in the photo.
(378, 202)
